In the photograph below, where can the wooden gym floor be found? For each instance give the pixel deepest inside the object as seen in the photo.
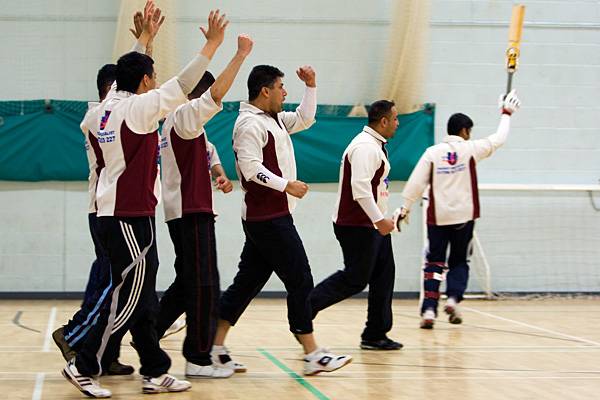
(509, 349)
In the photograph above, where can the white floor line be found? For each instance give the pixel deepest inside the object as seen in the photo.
(49, 330)
(39, 385)
(539, 328)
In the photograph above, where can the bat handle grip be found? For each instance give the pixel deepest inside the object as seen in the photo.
(509, 82)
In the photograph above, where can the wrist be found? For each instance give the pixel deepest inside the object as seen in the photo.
(209, 49)
(312, 84)
(241, 54)
(145, 38)
(506, 111)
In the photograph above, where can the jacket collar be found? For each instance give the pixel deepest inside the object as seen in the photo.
(250, 108)
(452, 138)
(374, 133)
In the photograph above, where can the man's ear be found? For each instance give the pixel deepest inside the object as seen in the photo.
(265, 91)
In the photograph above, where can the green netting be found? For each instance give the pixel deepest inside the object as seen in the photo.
(40, 140)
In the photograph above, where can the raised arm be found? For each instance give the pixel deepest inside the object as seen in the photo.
(304, 116)
(214, 34)
(150, 107)
(224, 81)
(484, 148)
(138, 27)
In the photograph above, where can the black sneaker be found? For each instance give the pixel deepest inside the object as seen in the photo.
(116, 368)
(59, 338)
(381, 344)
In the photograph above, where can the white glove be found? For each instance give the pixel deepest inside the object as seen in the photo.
(400, 215)
(509, 103)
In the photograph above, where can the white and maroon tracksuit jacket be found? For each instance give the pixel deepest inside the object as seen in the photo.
(265, 160)
(127, 132)
(363, 180)
(93, 152)
(186, 158)
(450, 170)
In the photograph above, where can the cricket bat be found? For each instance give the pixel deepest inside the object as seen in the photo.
(514, 42)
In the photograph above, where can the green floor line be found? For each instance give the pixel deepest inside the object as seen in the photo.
(294, 375)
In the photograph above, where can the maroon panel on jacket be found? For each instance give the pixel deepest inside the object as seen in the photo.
(193, 164)
(474, 187)
(135, 187)
(431, 220)
(262, 202)
(99, 158)
(350, 213)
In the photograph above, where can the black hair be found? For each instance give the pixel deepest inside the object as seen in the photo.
(105, 78)
(131, 69)
(457, 122)
(207, 80)
(262, 76)
(379, 109)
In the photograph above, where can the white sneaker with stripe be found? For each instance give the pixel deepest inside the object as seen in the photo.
(207, 371)
(322, 360)
(163, 384)
(86, 384)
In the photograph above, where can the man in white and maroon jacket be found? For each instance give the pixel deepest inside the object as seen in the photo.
(360, 226)
(127, 134)
(186, 156)
(70, 336)
(266, 168)
(449, 168)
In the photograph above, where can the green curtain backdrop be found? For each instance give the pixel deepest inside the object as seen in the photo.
(40, 140)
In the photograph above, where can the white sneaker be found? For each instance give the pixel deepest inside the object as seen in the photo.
(454, 314)
(207, 371)
(86, 384)
(163, 384)
(176, 327)
(321, 360)
(428, 319)
(220, 358)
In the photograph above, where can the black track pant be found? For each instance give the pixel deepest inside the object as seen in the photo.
(368, 260)
(131, 247)
(271, 246)
(195, 290)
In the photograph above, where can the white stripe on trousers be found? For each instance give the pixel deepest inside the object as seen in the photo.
(140, 273)
(134, 251)
(115, 300)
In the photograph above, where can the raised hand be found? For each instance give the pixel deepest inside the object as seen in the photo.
(307, 75)
(138, 24)
(245, 44)
(157, 20)
(215, 33)
(152, 20)
(510, 103)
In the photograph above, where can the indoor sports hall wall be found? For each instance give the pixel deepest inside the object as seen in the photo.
(52, 49)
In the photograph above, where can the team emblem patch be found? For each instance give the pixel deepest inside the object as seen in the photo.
(451, 157)
(104, 120)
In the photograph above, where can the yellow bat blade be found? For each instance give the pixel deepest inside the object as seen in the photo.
(514, 37)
